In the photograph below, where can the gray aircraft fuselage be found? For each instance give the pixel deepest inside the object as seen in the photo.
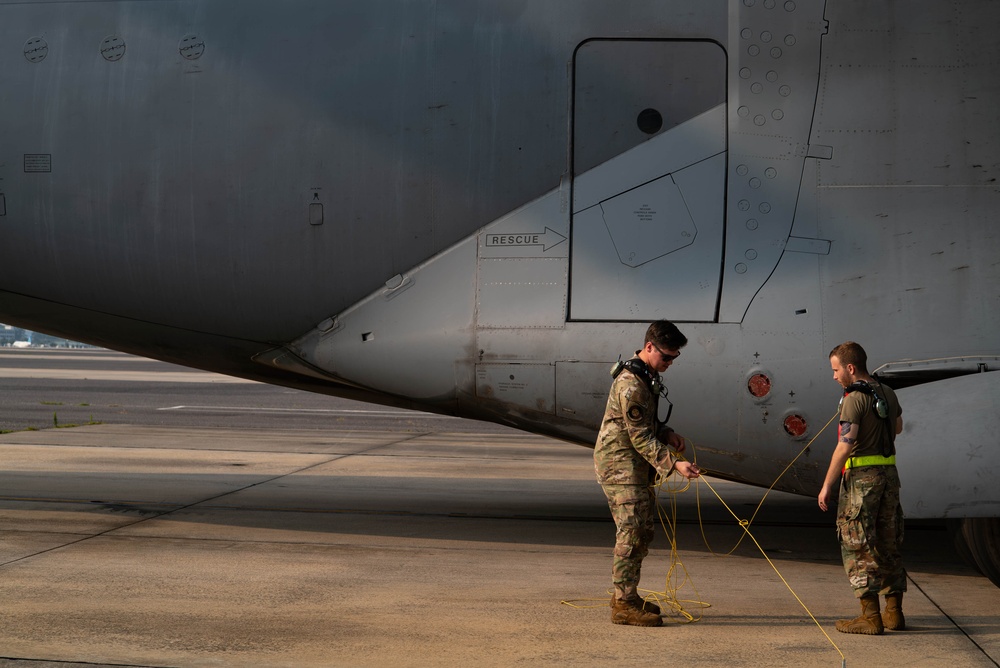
(475, 207)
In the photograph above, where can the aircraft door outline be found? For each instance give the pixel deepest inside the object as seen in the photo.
(648, 224)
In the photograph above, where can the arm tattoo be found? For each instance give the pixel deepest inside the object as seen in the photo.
(848, 430)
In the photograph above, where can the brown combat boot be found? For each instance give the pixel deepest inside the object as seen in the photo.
(632, 613)
(893, 618)
(868, 623)
(647, 606)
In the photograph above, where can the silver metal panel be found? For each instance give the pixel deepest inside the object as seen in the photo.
(907, 259)
(530, 386)
(582, 391)
(792, 298)
(653, 251)
(521, 292)
(774, 51)
(407, 338)
(522, 275)
(947, 455)
(911, 58)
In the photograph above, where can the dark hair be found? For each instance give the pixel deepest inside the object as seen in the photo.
(850, 352)
(665, 334)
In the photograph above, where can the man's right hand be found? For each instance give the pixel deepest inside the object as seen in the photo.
(824, 498)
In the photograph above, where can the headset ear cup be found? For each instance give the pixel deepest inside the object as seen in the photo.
(881, 406)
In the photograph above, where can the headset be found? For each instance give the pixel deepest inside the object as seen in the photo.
(881, 407)
(652, 380)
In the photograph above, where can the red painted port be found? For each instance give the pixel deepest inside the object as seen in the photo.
(796, 425)
(759, 385)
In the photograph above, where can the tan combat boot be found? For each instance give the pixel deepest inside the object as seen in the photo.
(632, 613)
(648, 606)
(893, 618)
(868, 623)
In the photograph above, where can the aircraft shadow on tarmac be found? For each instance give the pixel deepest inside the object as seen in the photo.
(552, 513)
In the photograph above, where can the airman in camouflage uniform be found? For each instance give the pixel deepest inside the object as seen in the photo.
(869, 515)
(631, 449)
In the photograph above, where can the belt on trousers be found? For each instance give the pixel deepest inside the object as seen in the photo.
(870, 460)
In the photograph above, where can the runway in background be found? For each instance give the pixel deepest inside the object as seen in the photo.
(95, 385)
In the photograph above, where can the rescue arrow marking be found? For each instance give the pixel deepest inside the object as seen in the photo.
(547, 239)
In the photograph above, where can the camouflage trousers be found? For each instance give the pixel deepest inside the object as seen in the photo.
(633, 508)
(870, 529)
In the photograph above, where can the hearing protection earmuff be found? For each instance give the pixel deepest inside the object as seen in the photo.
(881, 405)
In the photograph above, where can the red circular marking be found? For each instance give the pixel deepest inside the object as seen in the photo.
(759, 385)
(796, 425)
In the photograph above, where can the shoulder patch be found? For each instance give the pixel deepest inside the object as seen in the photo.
(635, 413)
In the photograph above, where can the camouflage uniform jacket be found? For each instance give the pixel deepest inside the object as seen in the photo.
(628, 450)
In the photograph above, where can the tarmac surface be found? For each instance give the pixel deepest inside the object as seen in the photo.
(193, 520)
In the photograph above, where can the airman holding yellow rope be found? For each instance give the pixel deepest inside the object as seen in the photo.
(631, 449)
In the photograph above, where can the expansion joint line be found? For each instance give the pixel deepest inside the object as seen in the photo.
(950, 619)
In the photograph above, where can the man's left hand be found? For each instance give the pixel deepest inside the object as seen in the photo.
(676, 441)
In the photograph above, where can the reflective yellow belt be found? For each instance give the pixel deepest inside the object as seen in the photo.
(870, 460)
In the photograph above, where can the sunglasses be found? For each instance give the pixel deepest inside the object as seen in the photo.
(666, 356)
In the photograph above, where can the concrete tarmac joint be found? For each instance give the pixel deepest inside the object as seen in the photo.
(132, 546)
